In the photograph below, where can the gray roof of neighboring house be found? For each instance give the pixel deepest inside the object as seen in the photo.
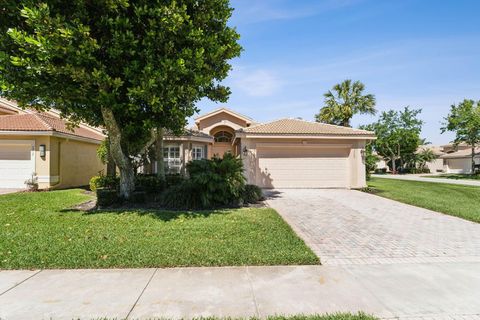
(464, 153)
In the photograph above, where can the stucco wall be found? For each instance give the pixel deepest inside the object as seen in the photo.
(223, 118)
(356, 166)
(75, 162)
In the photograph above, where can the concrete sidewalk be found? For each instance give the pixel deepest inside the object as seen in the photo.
(397, 291)
(413, 177)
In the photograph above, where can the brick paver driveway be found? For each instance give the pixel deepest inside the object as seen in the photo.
(352, 227)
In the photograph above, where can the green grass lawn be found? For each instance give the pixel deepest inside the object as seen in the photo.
(39, 231)
(456, 176)
(455, 200)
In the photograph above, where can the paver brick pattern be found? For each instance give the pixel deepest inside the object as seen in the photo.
(352, 227)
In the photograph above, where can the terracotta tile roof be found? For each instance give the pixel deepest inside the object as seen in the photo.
(44, 122)
(302, 127)
(464, 153)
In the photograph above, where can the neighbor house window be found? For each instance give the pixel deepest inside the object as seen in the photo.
(198, 152)
(171, 159)
(223, 136)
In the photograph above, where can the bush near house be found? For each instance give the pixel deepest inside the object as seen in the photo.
(218, 182)
(214, 183)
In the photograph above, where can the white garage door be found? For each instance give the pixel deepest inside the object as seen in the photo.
(16, 163)
(303, 167)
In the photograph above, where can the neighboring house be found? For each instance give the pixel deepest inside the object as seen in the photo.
(434, 166)
(437, 164)
(286, 153)
(458, 158)
(41, 145)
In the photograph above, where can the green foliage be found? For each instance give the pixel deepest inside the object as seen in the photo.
(211, 183)
(106, 197)
(398, 134)
(102, 151)
(464, 120)
(105, 182)
(419, 160)
(370, 160)
(346, 100)
(150, 184)
(252, 194)
(130, 66)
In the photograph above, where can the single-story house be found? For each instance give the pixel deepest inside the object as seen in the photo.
(286, 153)
(458, 159)
(41, 145)
(435, 165)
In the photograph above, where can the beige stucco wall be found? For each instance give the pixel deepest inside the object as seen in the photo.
(221, 119)
(355, 162)
(67, 163)
(74, 162)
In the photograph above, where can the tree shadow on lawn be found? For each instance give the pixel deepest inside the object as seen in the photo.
(160, 214)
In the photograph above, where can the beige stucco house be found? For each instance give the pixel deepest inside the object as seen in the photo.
(458, 158)
(286, 153)
(40, 145)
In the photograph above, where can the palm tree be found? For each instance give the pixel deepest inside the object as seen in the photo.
(346, 100)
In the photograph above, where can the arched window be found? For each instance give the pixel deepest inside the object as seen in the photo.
(223, 136)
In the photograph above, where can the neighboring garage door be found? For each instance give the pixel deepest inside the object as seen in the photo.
(303, 167)
(16, 163)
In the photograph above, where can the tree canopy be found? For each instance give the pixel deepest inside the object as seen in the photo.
(346, 100)
(398, 134)
(464, 120)
(128, 65)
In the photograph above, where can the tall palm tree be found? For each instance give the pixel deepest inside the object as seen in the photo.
(346, 100)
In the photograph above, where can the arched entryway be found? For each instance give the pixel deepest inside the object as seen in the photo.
(223, 139)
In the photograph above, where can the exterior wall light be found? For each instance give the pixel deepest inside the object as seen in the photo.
(43, 150)
(245, 151)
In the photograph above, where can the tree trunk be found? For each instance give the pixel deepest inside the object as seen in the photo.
(394, 167)
(473, 159)
(159, 154)
(111, 167)
(127, 176)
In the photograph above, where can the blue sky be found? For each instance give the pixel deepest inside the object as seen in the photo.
(419, 53)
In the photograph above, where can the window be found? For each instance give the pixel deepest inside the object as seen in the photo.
(223, 136)
(171, 159)
(198, 152)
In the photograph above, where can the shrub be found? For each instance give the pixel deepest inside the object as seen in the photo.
(139, 197)
(182, 196)
(106, 197)
(252, 194)
(381, 170)
(150, 184)
(105, 182)
(173, 180)
(212, 183)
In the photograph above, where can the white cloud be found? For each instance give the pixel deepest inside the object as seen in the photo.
(257, 83)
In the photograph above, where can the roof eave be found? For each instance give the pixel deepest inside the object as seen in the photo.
(244, 134)
(49, 133)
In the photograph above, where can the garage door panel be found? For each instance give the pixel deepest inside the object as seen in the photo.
(303, 167)
(16, 164)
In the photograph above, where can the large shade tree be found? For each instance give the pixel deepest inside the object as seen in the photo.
(464, 120)
(398, 135)
(344, 101)
(131, 66)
